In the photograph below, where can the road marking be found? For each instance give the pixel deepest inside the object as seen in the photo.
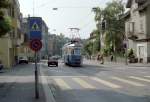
(127, 81)
(147, 76)
(138, 78)
(61, 83)
(83, 83)
(68, 76)
(109, 84)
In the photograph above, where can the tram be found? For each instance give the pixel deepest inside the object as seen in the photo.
(72, 54)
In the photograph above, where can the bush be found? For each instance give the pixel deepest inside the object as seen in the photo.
(131, 53)
(5, 25)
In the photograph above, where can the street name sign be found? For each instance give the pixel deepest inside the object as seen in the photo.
(35, 28)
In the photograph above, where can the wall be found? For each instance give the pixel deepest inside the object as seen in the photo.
(148, 21)
(4, 51)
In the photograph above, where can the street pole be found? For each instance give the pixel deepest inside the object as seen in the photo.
(126, 56)
(93, 50)
(36, 78)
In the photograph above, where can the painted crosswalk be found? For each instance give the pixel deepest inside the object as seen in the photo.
(138, 78)
(147, 76)
(127, 81)
(62, 84)
(83, 83)
(110, 82)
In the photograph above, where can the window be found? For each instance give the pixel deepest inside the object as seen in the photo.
(77, 51)
(141, 27)
(131, 27)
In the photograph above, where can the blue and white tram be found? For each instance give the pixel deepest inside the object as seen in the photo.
(72, 54)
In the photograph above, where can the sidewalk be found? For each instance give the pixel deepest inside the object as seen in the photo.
(17, 85)
(118, 64)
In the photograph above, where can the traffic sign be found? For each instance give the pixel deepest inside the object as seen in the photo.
(35, 28)
(36, 45)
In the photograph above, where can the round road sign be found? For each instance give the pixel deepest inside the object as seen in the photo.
(35, 45)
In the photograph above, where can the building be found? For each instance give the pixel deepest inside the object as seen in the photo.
(44, 50)
(137, 28)
(10, 44)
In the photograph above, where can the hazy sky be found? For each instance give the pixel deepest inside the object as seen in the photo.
(70, 13)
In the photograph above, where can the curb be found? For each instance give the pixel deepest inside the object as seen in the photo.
(48, 93)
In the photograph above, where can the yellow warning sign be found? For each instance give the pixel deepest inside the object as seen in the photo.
(35, 27)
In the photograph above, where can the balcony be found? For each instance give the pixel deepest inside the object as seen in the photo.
(132, 36)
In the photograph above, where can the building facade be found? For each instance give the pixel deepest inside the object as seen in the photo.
(137, 28)
(10, 43)
(44, 50)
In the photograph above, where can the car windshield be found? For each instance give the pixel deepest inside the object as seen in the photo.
(53, 58)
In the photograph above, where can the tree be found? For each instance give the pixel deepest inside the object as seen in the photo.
(114, 26)
(88, 48)
(5, 22)
(114, 34)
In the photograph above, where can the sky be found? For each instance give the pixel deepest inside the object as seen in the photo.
(70, 14)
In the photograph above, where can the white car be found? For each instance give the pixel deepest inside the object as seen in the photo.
(23, 59)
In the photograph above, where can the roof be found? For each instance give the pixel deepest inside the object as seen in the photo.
(129, 2)
(143, 6)
(126, 15)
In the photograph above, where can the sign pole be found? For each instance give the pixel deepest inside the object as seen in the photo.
(36, 78)
(126, 55)
(35, 36)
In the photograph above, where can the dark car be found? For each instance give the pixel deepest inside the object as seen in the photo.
(23, 60)
(52, 61)
(1, 65)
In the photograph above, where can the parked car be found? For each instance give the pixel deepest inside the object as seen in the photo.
(23, 59)
(1, 65)
(52, 61)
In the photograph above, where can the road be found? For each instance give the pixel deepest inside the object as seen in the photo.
(98, 83)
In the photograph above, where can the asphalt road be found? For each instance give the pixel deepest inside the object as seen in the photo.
(98, 83)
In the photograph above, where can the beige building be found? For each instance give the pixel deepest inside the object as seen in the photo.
(137, 28)
(10, 44)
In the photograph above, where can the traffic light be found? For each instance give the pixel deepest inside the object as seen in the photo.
(125, 45)
(103, 25)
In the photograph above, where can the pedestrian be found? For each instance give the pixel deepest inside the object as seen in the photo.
(98, 57)
(102, 59)
(111, 57)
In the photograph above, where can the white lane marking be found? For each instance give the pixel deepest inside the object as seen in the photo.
(109, 84)
(61, 83)
(83, 83)
(147, 76)
(127, 81)
(68, 76)
(138, 78)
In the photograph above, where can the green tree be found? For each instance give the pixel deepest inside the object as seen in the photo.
(88, 48)
(114, 30)
(5, 22)
(114, 25)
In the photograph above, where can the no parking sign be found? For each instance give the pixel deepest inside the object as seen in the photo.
(35, 45)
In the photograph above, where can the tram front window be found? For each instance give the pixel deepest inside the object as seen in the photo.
(77, 52)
